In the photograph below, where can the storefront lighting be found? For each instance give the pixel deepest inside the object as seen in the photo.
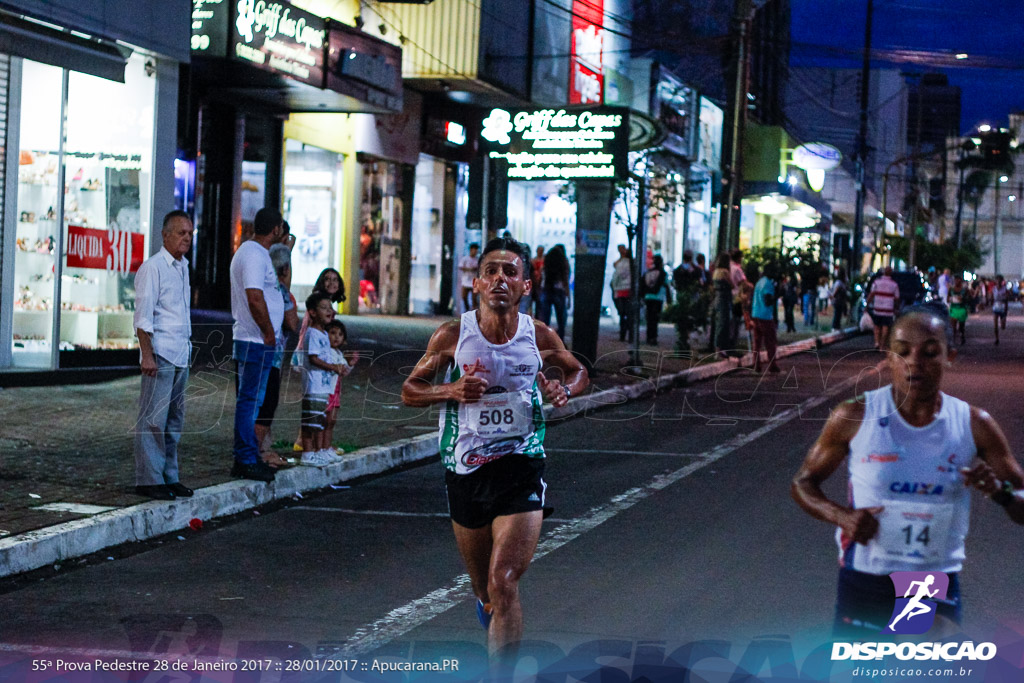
(984, 128)
(816, 178)
(792, 180)
(1012, 198)
(455, 133)
(795, 219)
(769, 206)
(1003, 178)
(782, 178)
(961, 55)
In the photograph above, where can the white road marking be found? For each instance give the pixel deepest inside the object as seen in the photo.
(396, 513)
(403, 619)
(598, 451)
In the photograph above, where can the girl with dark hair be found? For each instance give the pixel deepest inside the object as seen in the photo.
(555, 288)
(656, 293)
(330, 282)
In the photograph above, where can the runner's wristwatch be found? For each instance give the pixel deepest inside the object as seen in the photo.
(568, 394)
(1005, 495)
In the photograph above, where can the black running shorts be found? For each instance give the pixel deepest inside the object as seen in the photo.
(506, 486)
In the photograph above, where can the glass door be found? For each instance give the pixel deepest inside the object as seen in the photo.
(39, 197)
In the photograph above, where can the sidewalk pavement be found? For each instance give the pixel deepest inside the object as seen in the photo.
(67, 469)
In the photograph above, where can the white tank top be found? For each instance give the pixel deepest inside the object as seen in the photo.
(914, 472)
(510, 417)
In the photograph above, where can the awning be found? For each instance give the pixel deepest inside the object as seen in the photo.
(49, 45)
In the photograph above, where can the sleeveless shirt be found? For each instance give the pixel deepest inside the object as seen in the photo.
(509, 418)
(914, 472)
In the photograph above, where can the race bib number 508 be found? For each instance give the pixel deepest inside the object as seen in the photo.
(501, 415)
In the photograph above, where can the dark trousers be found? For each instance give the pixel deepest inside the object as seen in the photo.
(624, 307)
(558, 299)
(837, 317)
(765, 339)
(790, 320)
(653, 307)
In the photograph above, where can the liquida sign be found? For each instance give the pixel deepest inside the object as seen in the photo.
(113, 250)
(278, 37)
(586, 76)
(564, 144)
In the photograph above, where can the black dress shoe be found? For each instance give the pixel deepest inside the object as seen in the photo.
(179, 490)
(257, 471)
(155, 491)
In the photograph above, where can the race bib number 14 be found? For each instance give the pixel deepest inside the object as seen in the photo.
(911, 533)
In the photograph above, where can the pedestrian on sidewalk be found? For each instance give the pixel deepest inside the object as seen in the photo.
(763, 314)
(556, 288)
(1000, 304)
(656, 293)
(331, 283)
(467, 271)
(281, 258)
(163, 324)
(321, 380)
(338, 336)
(622, 292)
(258, 309)
(738, 277)
(790, 297)
(721, 305)
(840, 299)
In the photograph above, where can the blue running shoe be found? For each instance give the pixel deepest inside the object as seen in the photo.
(484, 613)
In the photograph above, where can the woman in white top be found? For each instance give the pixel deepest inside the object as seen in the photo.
(913, 453)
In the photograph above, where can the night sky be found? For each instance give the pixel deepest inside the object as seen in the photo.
(925, 35)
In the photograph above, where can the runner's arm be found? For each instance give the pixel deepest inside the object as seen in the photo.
(419, 391)
(825, 456)
(571, 373)
(997, 464)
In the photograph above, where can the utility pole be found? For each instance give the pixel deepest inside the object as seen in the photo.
(728, 226)
(914, 183)
(862, 149)
(639, 259)
(997, 231)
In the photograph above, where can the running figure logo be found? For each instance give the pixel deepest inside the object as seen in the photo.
(914, 612)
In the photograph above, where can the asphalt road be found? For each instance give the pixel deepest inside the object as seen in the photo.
(673, 528)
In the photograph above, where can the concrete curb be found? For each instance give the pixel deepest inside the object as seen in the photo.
(52, 545)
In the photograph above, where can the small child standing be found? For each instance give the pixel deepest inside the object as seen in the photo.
(338, 335)
(321, 379)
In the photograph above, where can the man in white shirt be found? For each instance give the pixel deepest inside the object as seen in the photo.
(162, 323)
(258, 309)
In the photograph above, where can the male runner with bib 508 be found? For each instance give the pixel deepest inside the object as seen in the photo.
(492, 431)
(913, 455)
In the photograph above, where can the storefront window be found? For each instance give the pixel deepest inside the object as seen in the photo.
(35, 260)
(540, 216)
(106, 161)
(313, 208)
(427, 237)
(380, 233)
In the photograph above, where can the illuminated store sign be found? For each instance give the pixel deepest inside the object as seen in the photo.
(586, 77)
(541, 144)
(278, 37)
(210, 27)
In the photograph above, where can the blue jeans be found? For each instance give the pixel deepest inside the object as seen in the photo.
(810, 312)
(559, 299)
(254, 362)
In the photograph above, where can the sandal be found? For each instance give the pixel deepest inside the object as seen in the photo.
(274, 460)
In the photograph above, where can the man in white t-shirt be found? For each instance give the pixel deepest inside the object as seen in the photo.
(258, 309)
(467, 271)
